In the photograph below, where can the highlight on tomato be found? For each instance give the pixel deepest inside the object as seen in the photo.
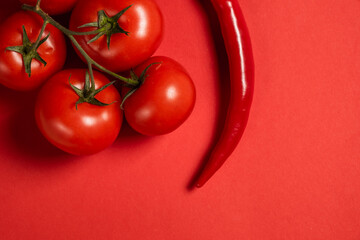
(53, 7)
(78, 114)
(164, 100)
(23, 64)
(129, 31)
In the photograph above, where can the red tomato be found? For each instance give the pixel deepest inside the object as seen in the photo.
(53, 51)
(53, 7)
(87, 130)
(165, 99)
(143, 21)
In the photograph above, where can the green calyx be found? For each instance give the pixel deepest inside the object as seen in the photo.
(108, 25)
(140, 79)
(88, 93)
(28, 50)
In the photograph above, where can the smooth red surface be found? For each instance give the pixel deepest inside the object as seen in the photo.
(143, 20)
(53, 51)
(164, 101)
(295, 174)
(81, 129)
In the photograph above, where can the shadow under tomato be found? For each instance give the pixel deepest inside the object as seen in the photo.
(24, 134)
(130, 138)
(72, 59)
(223, 83)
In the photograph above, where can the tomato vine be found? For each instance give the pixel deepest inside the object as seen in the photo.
(70, 34)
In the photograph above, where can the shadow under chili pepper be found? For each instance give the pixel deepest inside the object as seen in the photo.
(223, 83)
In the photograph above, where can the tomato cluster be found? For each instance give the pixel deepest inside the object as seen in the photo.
(79, 110)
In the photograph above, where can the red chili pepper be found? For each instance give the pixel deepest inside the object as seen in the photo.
(241, 63)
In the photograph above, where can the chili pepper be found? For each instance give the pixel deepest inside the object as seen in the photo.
(241, 66)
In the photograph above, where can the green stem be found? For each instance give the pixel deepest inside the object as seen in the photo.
(50, 20)
(92, 80)
(36, 44)
(70, 34)
(90, 60)
(37, 6)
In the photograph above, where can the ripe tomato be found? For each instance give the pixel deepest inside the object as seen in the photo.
(53, 7)
(164, 100)
(53, 51)
(143, 21)
(87, 130)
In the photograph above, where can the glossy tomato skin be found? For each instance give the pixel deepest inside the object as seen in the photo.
(87, 130)
(53, 51)
(165, 99)
(143, 20)
(53, 7)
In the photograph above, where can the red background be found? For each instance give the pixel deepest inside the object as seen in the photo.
(295, 174)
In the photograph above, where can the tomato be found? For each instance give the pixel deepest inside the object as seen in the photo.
(143, 22)
(53, 51)
(164, 100)
(53, 7)
(87, 130)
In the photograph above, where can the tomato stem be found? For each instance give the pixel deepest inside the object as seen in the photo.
(90, 60)
(28, 50)
(70, 34)
(37, 6)
(88, 93)
(108, 25)
(91, 77)
(140, 79)
(37, 43)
